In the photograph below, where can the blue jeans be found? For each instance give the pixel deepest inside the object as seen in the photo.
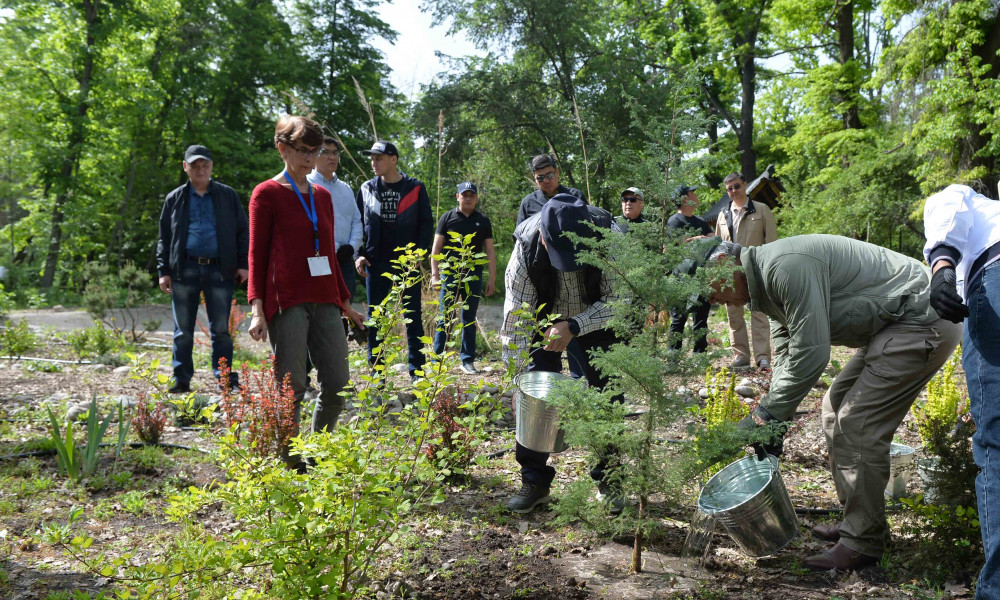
(193, 280)
(377, 287)
(981, 360)
(471, 296)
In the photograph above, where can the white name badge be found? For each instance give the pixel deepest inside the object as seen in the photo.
(319, 266)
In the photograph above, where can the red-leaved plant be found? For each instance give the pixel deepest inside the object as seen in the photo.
(149, 420)
(455, 437)
(263, 408)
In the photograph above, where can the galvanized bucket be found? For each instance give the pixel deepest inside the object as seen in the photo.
(749, 499)
(900, 468)
(537, 422)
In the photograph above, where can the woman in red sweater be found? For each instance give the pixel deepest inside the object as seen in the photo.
(296, 298)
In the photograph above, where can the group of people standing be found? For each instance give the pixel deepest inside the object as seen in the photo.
(308, 235)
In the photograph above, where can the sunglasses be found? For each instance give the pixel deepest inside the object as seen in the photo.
(733, 188)
(546, 177)
(631, 199)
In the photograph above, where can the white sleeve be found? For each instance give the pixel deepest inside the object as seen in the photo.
(948, 219)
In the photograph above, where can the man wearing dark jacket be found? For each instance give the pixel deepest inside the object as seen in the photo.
(396, 211)
(545, 172)
(203, 245)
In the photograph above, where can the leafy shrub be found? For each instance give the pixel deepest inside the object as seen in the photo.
(949, 539)
(17, 340)
(453, 448)
(108, 289)
(149, 420)
(94, 341)
(261, 414)
(946, 431)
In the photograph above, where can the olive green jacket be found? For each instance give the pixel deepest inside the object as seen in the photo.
(820, 290)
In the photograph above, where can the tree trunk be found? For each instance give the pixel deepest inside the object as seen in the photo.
(969, 156)
(67, 186)
(748, 82)
(845, 45)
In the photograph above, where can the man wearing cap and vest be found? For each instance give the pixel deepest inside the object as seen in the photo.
(203, 246)
(632, 205)
(694, 228)
(464, 220)
(963, 249)
(543, 270)
(747, 223)
(395, 211)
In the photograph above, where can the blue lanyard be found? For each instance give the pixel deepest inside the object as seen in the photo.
(313, 217)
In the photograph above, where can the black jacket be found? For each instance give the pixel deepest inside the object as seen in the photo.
(533, 202)
(231, 230)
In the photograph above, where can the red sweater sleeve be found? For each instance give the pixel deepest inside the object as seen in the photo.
(261, 227)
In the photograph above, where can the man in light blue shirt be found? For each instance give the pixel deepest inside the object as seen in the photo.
(346, 216)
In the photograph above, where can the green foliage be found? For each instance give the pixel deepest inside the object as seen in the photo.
(723, 405)
(78, 463)
(949, 539)
(112, 296)
(17, 340)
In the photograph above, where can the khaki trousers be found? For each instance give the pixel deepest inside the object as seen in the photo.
(861, 412)
(761, 326)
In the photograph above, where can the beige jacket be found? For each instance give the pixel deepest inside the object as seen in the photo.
(756, 229)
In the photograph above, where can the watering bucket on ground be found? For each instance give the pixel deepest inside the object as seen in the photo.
(900, 467)
(749, 499)
(537, 422)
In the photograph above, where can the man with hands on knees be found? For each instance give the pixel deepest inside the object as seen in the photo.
(543, 270)
(963, 249)
(823, 290)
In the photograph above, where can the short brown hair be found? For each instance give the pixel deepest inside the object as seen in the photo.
(292, 129)
(733, 177)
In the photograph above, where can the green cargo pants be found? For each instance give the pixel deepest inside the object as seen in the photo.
(861, 412)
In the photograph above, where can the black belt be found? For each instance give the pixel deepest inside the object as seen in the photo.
(201, 260)
(987, 255)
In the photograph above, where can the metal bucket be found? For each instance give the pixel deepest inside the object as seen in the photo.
(930, 472)
(749, 499)
(538, 423)
(900, 468)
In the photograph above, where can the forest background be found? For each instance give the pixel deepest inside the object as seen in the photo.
(865, 108)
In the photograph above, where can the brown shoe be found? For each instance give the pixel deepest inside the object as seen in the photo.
(830, 533)
(841, 558)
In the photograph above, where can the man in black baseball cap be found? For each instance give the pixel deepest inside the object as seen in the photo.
(202, 249)
(463, 289)
(395, 211)
(544, 271)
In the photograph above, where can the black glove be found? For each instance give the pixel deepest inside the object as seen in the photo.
(945, 300)
(767, 432)
(345, 253)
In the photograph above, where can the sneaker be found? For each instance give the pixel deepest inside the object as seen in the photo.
(612, 497)
(764, 364)
(469, 368)
(740, 363)
(528, 497)
(180, 388)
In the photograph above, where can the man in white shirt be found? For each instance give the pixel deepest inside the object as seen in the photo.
(963, 248)
(346, 216)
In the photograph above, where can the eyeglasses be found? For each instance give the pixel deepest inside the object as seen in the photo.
(326, 151)
(631, 199)
(733, 188)
(307, 152)
(545, 177)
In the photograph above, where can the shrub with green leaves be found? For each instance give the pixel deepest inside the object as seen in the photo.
(112, 296)
(17, 340)
(949, 541)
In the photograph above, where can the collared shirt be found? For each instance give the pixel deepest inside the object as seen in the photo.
(738, 213)
(476, 224)
(960, 224)
(569, 303)
(346, 216)
(201, 237)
